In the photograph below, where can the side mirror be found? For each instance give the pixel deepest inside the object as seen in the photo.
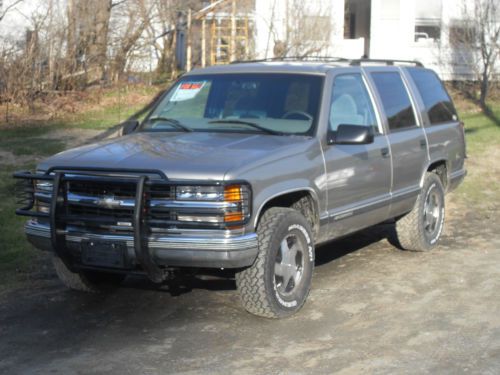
(351, 135)
(129, 126)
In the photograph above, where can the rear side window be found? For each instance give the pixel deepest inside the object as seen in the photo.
(395, 99)
(436, 100)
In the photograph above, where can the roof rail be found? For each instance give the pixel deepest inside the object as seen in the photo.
(329, 59)
(385, 61)
(325, 59)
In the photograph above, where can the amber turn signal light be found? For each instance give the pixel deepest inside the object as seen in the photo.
(232, 193)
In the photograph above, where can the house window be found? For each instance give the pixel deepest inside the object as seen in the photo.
(428, 20)
(426, 32)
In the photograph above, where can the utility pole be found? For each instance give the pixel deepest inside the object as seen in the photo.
(232, 46)
(203, 43)
(188, 48)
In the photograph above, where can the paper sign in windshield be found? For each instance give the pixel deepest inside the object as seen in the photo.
(187, 90)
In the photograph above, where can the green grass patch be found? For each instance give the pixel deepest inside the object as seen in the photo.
(103, 118)
(16, 254)
(32, 146)
(481, 131)
(480, 187)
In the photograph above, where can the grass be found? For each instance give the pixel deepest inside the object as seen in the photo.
(28, 142)
(101, 119)
(16, 253)
(480, 188)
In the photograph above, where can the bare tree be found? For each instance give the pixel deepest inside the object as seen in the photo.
(162, 31)
(129, 21)
(4, 9)
(87, 37)
(308, 30)
(480, 36)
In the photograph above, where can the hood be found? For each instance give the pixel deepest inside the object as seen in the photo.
(196, 155)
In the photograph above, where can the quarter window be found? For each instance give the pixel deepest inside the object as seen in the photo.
(351, 104)
(395, 99)
(436, 100)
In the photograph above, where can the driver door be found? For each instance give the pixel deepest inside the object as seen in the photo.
(358, 175)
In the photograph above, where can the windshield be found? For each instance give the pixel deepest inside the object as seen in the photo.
(269, 103)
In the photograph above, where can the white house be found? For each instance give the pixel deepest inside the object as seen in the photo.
(424, 30)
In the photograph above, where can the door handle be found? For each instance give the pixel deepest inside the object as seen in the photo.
(385, 152)
(423, 143)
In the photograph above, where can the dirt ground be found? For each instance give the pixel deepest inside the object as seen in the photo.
(372, 309)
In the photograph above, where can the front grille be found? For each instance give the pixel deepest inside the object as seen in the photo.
(102, 189)
(107, 203)
(110, 205)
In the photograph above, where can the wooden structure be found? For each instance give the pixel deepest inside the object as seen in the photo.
(225, 33)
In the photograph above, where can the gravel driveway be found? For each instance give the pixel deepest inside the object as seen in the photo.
(372, 309)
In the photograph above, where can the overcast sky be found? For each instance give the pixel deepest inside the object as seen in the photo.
(16, 21)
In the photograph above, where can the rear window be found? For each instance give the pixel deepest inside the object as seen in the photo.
(436, 100)
(395, 99)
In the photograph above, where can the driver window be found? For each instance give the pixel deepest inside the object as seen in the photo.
(351, 103)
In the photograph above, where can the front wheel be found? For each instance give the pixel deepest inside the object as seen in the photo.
(278, 283)
(421, 228)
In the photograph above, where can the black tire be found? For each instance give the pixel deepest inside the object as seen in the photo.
(421, 228)
(85, 281)
(285, 245)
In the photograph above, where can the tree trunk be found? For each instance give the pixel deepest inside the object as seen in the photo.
(484, 88)
(88, 24)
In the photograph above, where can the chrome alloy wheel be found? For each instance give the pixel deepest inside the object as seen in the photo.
(432, 212)
(289, 265)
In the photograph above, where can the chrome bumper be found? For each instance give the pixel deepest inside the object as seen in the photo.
(182, 251)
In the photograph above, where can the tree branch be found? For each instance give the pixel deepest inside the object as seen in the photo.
(8, 8)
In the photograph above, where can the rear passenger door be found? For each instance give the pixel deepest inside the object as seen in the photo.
(407, 140)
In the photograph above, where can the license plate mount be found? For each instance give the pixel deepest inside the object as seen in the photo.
(104, 254)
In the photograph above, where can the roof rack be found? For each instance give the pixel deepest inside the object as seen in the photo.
(385, 61)
(325, 59)
(329, 59)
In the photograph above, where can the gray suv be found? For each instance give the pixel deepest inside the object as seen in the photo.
(249, 167)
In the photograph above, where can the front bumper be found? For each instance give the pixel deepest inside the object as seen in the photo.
(212, 252)
(131, 220)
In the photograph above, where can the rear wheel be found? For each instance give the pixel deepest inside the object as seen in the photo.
(421, 228)
(85, 281)
(277, 284)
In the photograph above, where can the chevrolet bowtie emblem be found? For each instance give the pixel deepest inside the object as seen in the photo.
(109, 202)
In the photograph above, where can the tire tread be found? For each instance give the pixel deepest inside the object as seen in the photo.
(251, 281)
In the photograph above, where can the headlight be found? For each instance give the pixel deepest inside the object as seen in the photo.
(43, 194)
(232, 202)
(199, 193)
(44, 186)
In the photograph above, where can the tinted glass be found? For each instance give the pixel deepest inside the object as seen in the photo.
(436, 100)
(351, 104)
(395, 100)
(284, 103)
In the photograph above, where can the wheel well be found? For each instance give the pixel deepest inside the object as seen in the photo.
(441, 169)
(302, 201)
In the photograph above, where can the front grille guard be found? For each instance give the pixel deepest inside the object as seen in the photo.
(25, 193)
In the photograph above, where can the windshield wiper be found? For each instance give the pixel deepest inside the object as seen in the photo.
(175, 123)
(248, 123)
